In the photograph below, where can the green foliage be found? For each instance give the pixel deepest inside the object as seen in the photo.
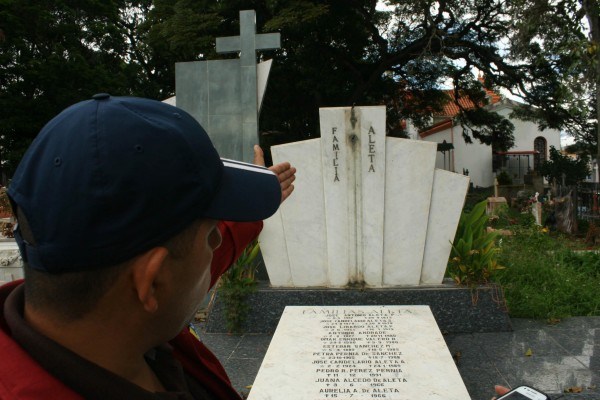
(504, 178)
(563, 53)
(477, 195)
(575, 170)
(582, 226)
(55, 53)
(473, 259)
(340, 53)
(512, 218)
(236, 284)
(334, 53)
(490, 128)
(544, 279)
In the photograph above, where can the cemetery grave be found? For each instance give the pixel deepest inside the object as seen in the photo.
(359, 352)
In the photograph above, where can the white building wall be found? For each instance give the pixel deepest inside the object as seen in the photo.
(478, 158)
(526, 131)
(475, 157)
(440, 162)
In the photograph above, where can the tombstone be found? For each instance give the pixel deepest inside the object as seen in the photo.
(368, 210)
(11, 263)
(495, 204)
(358, 352)
(225, 95)
(536, 210)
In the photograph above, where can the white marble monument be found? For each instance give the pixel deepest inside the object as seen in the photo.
(358, 352)
(11, 263)
(368, 210)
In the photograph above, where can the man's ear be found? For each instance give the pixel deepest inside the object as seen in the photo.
(147, 269)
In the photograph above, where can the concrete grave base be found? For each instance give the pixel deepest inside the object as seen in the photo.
(456, 309)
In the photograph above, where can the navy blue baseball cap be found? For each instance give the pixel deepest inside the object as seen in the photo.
(111, 177)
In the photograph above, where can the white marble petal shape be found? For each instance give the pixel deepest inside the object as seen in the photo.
(303, 216)
(409, 178)
(448, 197)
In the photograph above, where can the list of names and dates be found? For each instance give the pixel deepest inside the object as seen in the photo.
(358, 353)
(359, 357)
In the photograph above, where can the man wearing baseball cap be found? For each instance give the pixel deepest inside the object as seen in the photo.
(120, 204)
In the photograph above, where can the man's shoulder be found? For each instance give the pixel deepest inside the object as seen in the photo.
(21, 377)
(201, 364)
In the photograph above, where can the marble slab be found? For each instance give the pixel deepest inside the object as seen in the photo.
(447, 200)
(409, 179)
(358, 352)
(262, 76)
(370, 215)
(338, 179)
(353, 160)
(303, 219)
(274, 252)
(11, 263)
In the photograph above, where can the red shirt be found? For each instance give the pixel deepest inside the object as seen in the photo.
(22, 378)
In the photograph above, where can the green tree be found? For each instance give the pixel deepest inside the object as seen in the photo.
(562, 55)
(574, 170)
(341, 53)
(334, 53)
(55, 53)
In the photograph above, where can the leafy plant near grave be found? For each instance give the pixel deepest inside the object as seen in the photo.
(236, 284)
(474, 255)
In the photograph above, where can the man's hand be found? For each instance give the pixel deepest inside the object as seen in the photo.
(500, 390)
(284, 171)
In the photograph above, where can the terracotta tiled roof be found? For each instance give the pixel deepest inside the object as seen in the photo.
(450, 109)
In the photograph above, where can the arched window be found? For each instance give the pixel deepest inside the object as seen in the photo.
(541, 146)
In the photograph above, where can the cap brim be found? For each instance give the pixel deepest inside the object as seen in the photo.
(247, 193)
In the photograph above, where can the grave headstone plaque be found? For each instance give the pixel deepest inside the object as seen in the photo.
(358, 352)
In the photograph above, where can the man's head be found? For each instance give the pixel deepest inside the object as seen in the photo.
(110, 179)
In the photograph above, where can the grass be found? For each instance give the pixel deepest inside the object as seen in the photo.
(544, 278)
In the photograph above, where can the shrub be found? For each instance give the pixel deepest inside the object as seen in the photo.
(236, 284)
(474, 254)
(575, 170)
(504, 178)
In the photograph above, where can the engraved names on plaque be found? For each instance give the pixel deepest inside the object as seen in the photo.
(358, 352)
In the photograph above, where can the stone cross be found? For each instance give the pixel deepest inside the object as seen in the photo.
(247, 44)
(225, 95)
(248, 41)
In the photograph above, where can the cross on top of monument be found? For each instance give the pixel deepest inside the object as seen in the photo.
(248, 41)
